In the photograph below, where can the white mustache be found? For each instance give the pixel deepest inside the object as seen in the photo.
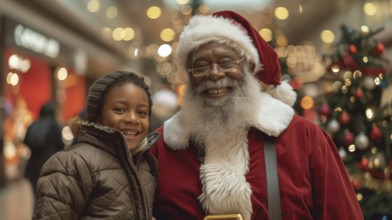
(221, 83)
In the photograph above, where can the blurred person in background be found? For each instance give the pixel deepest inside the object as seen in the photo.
(215, 155)
(109, 173)
(43, 138)
(16, 153)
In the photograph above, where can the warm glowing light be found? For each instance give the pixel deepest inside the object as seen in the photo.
(8, 77)
(307, 102)
(67, 135)
(281, 41)
(93, 6)
(347, 82)
(377, 162)
(369, 113)
(164, 50)
(357, 74)
(365, 29)
(266, 34)
(181, 90)
(167, 34)
(359, 196)
(165, 68)
(327, 36)
(186, 10)
(112, 12)
(13, 61)
(344, 89)
(25, 65)
(281, 13)
(118, 34)
(153, 12)
(369, 9)
(17, 63)
(106, 32)
(129, 34)
(347, 75)
(204, 9)
(9, 151)
(136, 52)
(14, 79)
(182, 2)
(351, 148)
(133, 52)
(62, 74)
(335, 68)
(377, 81)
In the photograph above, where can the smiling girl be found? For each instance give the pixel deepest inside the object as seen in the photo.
(108, 173)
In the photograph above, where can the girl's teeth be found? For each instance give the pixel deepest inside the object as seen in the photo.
(130, 132)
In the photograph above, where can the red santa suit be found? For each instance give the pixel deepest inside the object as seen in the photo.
(313, 181)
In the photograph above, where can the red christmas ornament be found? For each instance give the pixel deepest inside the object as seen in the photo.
(380, 49)
(359, 93)
(348, 138)
(296, 83)
(344, 118)
(364, 162)
(375, 133)
(352, 49)
(324, 109)
(349, 62)
(355, 183)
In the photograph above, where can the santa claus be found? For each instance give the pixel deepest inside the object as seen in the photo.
(211, 156)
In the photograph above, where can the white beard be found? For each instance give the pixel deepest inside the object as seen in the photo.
(210, 120)
(222, 127)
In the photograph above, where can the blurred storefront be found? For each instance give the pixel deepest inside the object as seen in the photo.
(36, 68)
(42, 60)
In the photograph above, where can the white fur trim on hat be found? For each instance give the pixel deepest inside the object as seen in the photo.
(203, 29)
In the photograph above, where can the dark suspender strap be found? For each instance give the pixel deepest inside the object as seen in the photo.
(271, 172)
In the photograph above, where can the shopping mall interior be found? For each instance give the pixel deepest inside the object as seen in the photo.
(336, 54)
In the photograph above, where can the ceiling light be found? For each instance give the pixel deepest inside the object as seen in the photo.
(153, 12)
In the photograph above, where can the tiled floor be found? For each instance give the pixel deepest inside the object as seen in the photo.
(16, 200)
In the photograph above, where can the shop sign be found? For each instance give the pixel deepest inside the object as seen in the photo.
(37, 42)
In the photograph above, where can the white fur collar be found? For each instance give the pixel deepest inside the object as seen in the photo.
(273, 118)
(223, 174)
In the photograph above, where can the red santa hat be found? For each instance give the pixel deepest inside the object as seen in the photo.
(230, 26)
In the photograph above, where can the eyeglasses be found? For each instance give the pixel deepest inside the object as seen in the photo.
(222, 67)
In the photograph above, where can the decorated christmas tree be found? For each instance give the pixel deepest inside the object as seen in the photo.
(356, 112)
